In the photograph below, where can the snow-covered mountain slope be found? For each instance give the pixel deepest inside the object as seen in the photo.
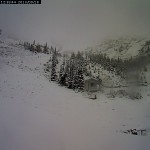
(109, 79)
(122, 48)
(36, 114)
(15, 55)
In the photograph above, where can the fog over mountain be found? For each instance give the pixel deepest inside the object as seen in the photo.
(76, 24)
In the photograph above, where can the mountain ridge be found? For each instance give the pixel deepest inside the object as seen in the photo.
(123, 47)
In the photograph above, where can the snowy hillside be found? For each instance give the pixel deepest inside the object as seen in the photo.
(114, 57)
(36, 114)
(123, 48)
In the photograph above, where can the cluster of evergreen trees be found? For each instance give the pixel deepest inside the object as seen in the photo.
(118, 66)
(38, 48)
(71, 71)
(74, 67)
(112, 65)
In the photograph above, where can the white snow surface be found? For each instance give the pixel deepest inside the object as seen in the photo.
(36, 114)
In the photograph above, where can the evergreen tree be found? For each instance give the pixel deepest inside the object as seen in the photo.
(53, 68)
(38, 48)
(62, 75)
(32, 48)
(34, 42)
(45, 49)
(67, 72)
(75, 79)
(81, 80)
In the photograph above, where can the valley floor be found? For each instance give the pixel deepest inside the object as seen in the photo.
(36, 114)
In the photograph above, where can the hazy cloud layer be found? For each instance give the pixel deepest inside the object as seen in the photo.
(76, 24)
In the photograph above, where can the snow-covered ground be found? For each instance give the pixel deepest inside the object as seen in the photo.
(36, 114)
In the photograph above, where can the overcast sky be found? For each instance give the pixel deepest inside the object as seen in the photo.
(76, 24)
